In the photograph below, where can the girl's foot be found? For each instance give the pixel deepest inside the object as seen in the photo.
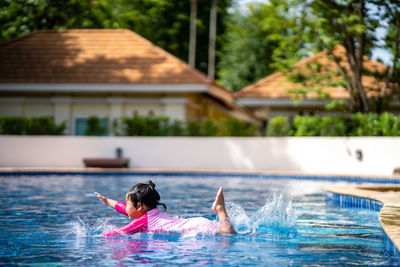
(219, 207)
(219, 203)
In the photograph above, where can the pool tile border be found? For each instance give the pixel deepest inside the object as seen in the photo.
(375, 198)
(395, 179)
(353, 202)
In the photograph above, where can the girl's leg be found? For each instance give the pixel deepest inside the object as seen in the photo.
(225, 225)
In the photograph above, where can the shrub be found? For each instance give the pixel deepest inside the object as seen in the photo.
(96, 127)
(278, 126)
(209, 128)
(13, 125)
(306, 126)
(234, 127)
(364, 125)
(155, 126)
(139, 125)
(193, 128)
(389, 124)
(332, 126)
(177, 128)
(30, 126)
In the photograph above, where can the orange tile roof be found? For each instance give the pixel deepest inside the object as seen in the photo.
(91, 56)
(279, 84)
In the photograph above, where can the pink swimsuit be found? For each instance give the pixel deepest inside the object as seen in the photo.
(154, 221)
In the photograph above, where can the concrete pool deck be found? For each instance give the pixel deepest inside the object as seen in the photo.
(387, 192)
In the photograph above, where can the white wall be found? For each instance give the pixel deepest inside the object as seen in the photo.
(302, 154)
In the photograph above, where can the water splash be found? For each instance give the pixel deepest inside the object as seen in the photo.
(81, 227)
(239, 219)
(276, 218)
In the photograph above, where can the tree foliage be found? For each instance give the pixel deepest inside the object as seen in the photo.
(164, 22)
(248, 53)
(263, 39)
(293, 29)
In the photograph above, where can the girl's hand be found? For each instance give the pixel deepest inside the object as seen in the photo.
(103, 199)
(106, 200)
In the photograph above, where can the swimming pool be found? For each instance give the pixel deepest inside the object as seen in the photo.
(44, 219)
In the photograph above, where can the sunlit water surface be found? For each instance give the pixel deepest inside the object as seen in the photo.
(44, 220)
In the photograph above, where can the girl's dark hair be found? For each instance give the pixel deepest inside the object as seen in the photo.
(145, 194)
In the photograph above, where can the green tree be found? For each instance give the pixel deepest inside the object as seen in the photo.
(265, 38)
(352, 24)
(19, 17)
(163, 22)
(247, 53)
(390, 13)
(166, 23)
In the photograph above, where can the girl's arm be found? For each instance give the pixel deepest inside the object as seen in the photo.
(136, 226)
(107, 201)
(118, 206)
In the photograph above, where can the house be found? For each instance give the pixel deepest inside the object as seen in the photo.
(73, 74)
(311, 85)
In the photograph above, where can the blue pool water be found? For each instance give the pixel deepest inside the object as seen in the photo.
(44, 221)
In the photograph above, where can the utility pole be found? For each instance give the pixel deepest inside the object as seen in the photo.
(211, 44)
(192, 40)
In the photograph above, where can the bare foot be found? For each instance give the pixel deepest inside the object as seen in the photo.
(219, 203)
(219, 207)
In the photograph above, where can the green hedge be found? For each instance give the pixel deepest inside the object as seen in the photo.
(30, 126)
(278, 126)
(138, 125)
(358, 124)
(96, 127)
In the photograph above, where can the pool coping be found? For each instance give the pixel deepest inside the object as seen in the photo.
(389, 214)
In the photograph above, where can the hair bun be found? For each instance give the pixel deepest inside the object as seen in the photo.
(151, 184)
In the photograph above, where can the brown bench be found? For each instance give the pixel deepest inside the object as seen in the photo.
(106, 162)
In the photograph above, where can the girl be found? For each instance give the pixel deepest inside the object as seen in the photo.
(141, 207)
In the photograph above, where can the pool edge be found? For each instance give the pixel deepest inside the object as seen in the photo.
(200, 172)
(386, 202)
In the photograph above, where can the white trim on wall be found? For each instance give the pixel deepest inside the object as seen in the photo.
(80, 87)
